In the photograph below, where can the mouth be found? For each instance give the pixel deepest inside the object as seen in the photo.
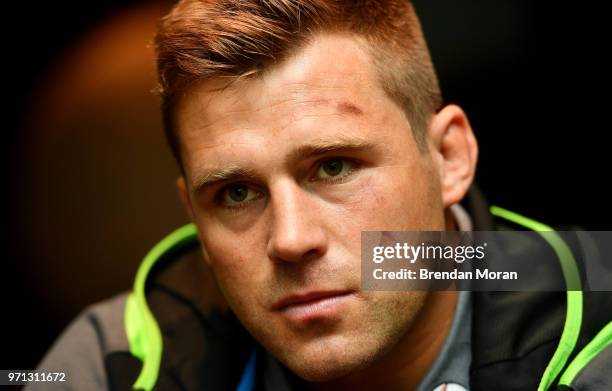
(313, 305)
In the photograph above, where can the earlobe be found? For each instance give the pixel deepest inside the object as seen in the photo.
(454, 148)
(183, 193)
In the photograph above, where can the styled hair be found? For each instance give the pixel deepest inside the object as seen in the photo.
(204, 39)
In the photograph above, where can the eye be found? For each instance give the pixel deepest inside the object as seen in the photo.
(237, 195)
(335, 168)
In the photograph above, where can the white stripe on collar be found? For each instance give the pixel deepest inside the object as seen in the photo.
(462, 218)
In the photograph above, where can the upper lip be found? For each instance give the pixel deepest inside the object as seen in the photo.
(301, 298)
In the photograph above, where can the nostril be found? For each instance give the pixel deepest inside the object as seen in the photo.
(304, 248)
(311, 254)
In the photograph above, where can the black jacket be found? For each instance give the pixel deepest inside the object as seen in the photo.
(514, 334)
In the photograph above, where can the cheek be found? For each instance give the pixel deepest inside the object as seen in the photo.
(394, 312)
(236, 263)
(392, 199)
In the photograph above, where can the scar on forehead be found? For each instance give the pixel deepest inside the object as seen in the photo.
(348, 108)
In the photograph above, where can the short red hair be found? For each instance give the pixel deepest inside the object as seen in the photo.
(205, 39)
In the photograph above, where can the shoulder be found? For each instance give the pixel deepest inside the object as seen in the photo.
(81, 349)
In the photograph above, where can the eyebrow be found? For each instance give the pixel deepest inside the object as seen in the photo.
(324, 146)
(315, 148)
(221, 175)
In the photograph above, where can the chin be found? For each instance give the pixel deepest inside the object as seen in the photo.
(322, 371)
(328, 361)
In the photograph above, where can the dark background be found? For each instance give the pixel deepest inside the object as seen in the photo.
(88, 182)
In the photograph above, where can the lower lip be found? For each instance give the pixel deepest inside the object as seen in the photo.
(325, 307)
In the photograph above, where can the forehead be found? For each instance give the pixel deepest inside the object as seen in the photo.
(330, 83)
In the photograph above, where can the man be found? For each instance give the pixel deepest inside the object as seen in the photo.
(297, 125)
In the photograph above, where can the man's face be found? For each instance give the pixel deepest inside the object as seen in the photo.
(283, 172)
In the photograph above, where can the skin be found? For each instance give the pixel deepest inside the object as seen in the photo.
(271, 141)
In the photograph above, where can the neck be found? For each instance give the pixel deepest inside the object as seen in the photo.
(449, 217)
(407, 363)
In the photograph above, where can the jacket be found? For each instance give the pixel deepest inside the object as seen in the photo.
(518, 338)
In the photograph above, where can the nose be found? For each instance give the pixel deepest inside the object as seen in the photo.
(296, 232)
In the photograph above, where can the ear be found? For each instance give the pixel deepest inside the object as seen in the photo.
(454, 149)
(183, 191)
